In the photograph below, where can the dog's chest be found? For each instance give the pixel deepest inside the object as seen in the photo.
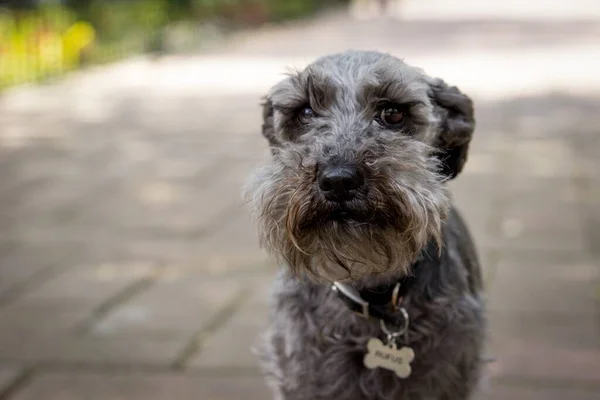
(335, 345)
(319, 343)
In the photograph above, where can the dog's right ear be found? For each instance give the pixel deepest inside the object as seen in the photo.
(268, 126)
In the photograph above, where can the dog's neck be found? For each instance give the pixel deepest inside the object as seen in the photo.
(382, 282)
(379, 297)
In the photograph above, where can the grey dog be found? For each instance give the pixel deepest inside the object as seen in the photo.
(354, 205)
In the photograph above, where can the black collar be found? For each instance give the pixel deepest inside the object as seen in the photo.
(378, 302)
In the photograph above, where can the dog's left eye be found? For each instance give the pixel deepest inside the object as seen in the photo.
(391, 115)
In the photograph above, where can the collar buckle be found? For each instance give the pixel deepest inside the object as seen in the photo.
(351, 297)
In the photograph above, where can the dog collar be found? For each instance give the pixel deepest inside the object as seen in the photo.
(380, 303)
(384, 302)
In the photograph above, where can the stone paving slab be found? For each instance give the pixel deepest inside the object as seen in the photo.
(545, 360)
(565, 330)
(108, 352)
(230, 250)
(155, 328)
(175, 307)
(552, 347)
(505, 392)
(19, 268)
(158, 386)
(234, 344)
(48, 320)
(84, 288)
(545, 193)
(475, 198)
(543, 314)
(38, 334)
(123, 386)
(544, 285)
(542, 228)
(8, 375)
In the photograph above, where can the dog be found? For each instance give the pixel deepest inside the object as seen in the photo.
(380, 294)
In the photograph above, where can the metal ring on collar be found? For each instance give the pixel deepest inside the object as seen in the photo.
(404, 329)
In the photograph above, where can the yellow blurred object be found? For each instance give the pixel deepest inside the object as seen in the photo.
(38, 45)
(50, 52)
(76, 38)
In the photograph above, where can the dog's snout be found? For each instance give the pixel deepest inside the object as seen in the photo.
(340, 182)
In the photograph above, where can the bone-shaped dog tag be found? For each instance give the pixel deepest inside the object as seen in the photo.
(389, 357)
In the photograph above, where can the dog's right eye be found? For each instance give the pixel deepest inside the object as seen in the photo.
(305, 114)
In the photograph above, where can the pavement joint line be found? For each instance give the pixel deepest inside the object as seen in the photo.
(116, 300)
(20, 381)
(219, 319)
(35, 280)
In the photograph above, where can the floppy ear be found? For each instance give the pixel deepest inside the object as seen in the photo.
(456, 125)
(268, 127)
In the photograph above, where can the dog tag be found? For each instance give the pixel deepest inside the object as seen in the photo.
(389, 357)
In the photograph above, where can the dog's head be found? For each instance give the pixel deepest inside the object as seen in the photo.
(362, 144)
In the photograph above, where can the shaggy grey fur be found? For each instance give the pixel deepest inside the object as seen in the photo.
(314, 347)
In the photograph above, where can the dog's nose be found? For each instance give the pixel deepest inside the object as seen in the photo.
(340, 182)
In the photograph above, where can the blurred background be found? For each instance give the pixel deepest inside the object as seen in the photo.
(129, 268)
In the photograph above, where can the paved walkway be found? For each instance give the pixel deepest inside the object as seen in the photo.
(129, 268)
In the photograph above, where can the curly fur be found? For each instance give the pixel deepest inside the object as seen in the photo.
(314, 347)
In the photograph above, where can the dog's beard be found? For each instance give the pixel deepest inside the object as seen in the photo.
(380, 232)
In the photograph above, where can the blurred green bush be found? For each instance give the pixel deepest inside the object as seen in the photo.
(40, 41)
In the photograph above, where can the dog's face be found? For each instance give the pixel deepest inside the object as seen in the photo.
(362, 144)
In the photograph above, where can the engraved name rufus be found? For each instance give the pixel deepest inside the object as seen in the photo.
(390, 357)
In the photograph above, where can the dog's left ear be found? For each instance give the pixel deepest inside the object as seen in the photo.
(456, 123)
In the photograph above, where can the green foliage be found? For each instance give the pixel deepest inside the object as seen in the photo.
(282, 10)
(38, 42)
(114, 20)
(32, 45)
